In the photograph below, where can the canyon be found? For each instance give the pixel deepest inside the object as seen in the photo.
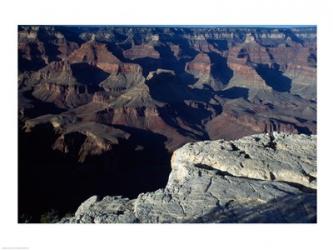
(101, 110)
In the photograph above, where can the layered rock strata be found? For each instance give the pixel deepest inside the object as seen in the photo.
(141, 51)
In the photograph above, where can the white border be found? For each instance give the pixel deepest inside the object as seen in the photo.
(234, 12)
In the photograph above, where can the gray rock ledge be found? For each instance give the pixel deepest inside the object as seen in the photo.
(265, 178)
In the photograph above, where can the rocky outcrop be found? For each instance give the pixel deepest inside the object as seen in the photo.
(304, 80)
(299, 64)
(144, 118)
(62, 96)
(79, 140)
(126, 76)
(95, 54)
(141, 51)
(237, 118)
(55, 83)
(39, 46)
(200, 66)
(59, 72)
(88, 139)
(122, 75)
(260, 178)
(176, 50)
(243, 74)
(255, 52)
(280, 157)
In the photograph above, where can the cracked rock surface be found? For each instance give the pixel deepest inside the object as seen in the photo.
(261, 178)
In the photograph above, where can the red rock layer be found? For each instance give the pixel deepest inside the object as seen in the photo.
(200, 65)
(204, 46)
(256, 52)
(97, 55)
(233, 126)
(141, 51)
(61, 95)
(295, 54)
(30, 47)
(147, 118)
(127, 68)
(243, 73)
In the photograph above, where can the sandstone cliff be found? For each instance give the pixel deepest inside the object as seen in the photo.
(259, 178)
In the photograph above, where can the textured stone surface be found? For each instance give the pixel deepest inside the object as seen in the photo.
(281, 157)
(259, 178)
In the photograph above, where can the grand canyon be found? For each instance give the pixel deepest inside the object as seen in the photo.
(167, 124)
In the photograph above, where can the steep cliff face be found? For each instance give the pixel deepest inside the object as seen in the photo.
(261, 178)
(240, 58)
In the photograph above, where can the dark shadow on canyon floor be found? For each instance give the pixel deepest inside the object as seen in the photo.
(39, 107)
(34, 64)
(220, 68)
(235, 92)
(87, 74)
(53, 181)
(274, 77)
